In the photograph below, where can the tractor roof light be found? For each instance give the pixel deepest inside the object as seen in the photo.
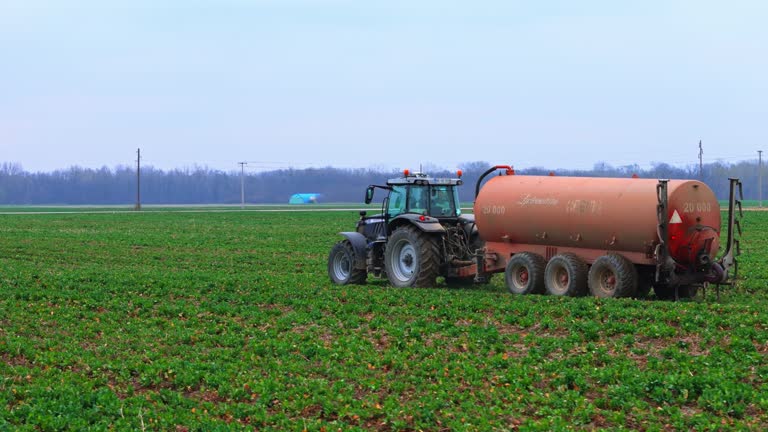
(459, 173)
(406, 172)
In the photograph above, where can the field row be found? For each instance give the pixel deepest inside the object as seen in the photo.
(200, 321)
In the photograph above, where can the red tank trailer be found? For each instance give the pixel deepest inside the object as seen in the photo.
(613, 237)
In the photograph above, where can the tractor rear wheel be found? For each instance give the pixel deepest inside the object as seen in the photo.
(566, 275)
(341, 265)
(411, 258)
(612, 275)
(525, 273)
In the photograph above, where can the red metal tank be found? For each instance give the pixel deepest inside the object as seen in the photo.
(592, 216)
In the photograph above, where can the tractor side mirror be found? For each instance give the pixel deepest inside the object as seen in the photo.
(369, 195)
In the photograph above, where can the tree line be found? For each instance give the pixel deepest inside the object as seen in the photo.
(201, 185)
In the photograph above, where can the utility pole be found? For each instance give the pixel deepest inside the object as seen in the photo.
(242, 184)
(138, 179)
(760, 178)
(701, 165)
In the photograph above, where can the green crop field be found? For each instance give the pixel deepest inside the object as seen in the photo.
(220, 321)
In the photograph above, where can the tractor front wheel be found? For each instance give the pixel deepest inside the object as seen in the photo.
(411, 258)
(341, 265)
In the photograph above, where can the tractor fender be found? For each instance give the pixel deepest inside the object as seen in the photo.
(429, 225)
(359, 245)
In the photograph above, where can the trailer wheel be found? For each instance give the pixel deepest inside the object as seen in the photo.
(566, 275)
(525, 273)
(411, 258)
(341, 265)
(612, 275)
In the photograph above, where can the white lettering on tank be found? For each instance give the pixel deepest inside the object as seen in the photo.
(584, 207)
(533, 200)
(494, 210)
(701, 206)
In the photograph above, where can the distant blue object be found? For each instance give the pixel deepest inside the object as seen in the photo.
(304, 198)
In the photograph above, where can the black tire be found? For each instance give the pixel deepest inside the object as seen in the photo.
(341, 265)
(411, 258)
(525, 273)
(566, 275)
(612, 275)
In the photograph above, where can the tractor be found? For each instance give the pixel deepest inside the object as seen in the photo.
(419, 235)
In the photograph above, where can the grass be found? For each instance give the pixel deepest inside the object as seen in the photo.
(747, 204)
(220, 321)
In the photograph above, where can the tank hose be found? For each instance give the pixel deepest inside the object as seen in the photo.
(717, 274)
(509, 171)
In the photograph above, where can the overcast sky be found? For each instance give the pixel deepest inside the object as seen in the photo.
(353, 83)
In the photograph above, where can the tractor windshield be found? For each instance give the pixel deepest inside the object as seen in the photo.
(417, 199)
(396, 202)
(443, 201)
(435, 201)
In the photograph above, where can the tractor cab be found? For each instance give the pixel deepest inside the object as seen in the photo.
(426, 196)
(414, 198)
